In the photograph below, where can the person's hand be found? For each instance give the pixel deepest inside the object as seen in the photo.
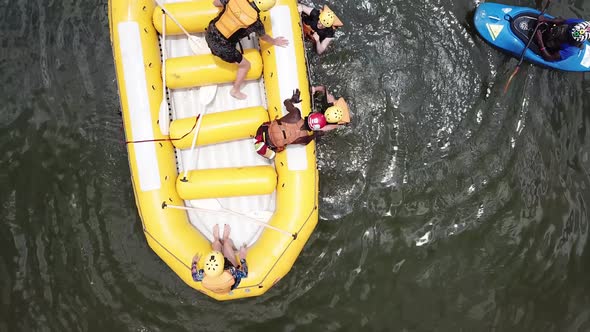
(316, 37)
(296, 98)
(541, 19)
(280, 41)
(243, 251)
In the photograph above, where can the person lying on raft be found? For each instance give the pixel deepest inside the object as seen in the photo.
(559, 39)
(222, 273)
(238, 19)
(274, 136)
(319, 26)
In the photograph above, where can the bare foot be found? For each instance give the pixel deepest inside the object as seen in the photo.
(226, 230)
(216, 233)
(238, 94)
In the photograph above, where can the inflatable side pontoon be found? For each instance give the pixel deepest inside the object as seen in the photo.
(182, 192)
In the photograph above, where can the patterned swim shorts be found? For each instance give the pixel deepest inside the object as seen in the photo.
(222, 47)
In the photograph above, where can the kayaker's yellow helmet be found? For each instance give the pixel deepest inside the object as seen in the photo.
(214, 264)
(264, 5)
(334, 114)
(327, 17)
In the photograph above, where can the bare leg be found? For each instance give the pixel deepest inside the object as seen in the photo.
(216, 243)
(228, 246)
(243, 68)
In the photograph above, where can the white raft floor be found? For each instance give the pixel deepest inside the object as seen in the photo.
(185, 103)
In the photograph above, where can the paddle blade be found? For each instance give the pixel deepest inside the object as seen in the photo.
(207, 93)
(510, 79)
(164, 118)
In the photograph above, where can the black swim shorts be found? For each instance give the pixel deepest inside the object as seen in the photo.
(222, 47)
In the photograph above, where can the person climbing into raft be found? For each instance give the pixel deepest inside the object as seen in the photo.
(274, 136)
(319, 26)
(559, 38)
(238, 19)
(221, 272)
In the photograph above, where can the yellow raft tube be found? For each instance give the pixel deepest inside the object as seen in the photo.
(181, 193)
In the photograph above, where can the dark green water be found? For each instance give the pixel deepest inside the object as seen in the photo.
(498, 184)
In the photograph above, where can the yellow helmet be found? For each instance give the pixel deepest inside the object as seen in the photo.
(327, 17)
(214, 264)
(264, 5)
(334, 114)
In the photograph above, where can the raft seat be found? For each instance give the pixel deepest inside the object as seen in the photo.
(227, 182)
(207, 69)
(218, 127)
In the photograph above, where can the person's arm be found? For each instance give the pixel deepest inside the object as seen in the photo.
(243, 265)
(545, 19)
(319, 88)
(196, 273)
(321, 47)
(217, 3)
(544, 53)
(258, 28)
(304, 9)
(293, 100)
(243, 270)
(329, 127)
(329, 98)
(279, 41)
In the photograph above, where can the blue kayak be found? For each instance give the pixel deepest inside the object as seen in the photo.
(509, 28)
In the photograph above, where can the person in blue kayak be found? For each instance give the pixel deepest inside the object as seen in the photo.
(238, 19)
(319, 26)
(221, 272)
(558, 38)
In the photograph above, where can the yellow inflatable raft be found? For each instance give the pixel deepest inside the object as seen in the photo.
(182, 192)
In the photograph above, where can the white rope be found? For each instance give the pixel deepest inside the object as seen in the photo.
(192, 152)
